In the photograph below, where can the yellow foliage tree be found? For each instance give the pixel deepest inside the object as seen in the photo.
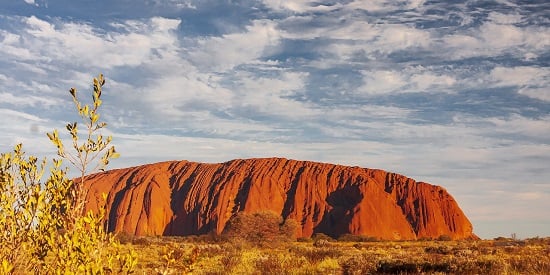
(43, 226)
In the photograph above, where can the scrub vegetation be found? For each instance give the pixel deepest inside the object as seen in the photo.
(210, 254)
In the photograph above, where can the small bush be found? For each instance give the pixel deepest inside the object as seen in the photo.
(316, 255)
(444, 238)
(231, 260)
(328, 266)
(304, 240)
(261, 228)
(502, 239)
(210, 250)
(398, 267)
(270, 264)
(321, 236)
(321, 243)
(211, 237)
(124, 238)
(141, 241)
(358, 264)
(443, 250)
(356, 238)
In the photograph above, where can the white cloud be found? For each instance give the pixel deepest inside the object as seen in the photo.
(374, 36)
(300, 6)
(26, 100)
(427, 80)
(530, 81)
(267, 95)
(10, 46)
(349, 32)
(519, 76)
(175, 90)
(508, 128)
(82, 44)
(410, 79)
(374, 6)
(538, 93)
(9, 114)
(306, 6)
(39, 27)
(375, 40)
(164, 147)
(230, 50)
(386, 111)
(26, 128)
(414, 4)
(485, 193)
(496, 37)
(70, 52)
(506, 19)
(164, 25)
(529, 196)
(195, 102)
(173, 94)
(331, 31)
(380, 82)
(500, 37)
(9, 38)
(178, 4)
(401, 37)
(535, 128)
(462, 45)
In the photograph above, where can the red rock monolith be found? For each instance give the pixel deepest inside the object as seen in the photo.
(189, 198)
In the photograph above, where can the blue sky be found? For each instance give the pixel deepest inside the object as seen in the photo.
(455, 93)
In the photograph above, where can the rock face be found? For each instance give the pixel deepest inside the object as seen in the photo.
(188, 198)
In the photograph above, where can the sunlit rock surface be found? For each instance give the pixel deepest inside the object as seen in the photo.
(189, 198)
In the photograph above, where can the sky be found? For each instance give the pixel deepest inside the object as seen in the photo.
(455, 93)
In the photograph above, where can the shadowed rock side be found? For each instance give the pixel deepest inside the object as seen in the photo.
(188, 198)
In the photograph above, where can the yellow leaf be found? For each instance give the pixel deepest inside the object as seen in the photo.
(7, 267)
(95, 117)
